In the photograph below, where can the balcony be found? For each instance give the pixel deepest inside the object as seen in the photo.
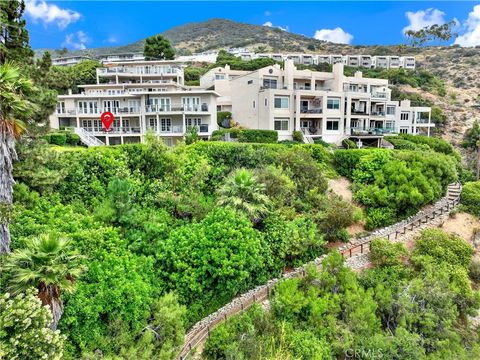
(359, 112)
(176, 108)
(377, 113)
(306, 110)
(139, 71)
(358, 131)
(379, 95)
(114, 130)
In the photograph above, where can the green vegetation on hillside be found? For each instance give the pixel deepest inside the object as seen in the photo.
(206, 222)
(395, 184)
(415, 309)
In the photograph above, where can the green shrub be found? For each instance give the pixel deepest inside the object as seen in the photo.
(380, 217)
(73, 139)
(48, 138)
(401, 144)
(258, 136)
(58, 139)
(436, 144)
(298, 136)
(470, 197)
(349, 144)
(385, 253)
(323, 143)
(223, 115)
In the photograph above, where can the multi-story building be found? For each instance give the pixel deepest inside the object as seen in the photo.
(143, 96)
(69, 60)
(219, 79)
(324, 105)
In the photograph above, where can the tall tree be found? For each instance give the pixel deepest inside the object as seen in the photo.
(14, 38)
(48, 265)
(13, 105)
(158, 48)
(443, 32)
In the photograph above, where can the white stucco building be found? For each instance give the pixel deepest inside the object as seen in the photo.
(143, 96)
(324, 105)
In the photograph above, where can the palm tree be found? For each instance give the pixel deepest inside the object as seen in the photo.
(12, 106)
(47, 264)
(242, 192)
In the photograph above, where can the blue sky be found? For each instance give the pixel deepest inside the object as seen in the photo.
(87, 24)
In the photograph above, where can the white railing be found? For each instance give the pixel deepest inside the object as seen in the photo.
(87, 138)
(307, 136)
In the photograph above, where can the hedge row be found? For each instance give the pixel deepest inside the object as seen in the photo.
(63, 138)
(247, 136)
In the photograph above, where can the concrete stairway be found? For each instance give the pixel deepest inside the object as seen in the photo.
(88, 138)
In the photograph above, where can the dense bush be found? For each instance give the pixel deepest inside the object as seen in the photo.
(470, 197)
(58, 139)
(396, 309)
(25, 328)
(258, 136)
(394, 184)
(349, 144)
(222, 116)
(298, 136)
(73, 139)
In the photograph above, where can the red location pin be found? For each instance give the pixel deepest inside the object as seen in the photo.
(107, 119)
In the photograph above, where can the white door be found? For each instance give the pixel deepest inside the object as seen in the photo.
(191, 103)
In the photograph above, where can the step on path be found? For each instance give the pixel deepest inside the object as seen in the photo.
(355, 253)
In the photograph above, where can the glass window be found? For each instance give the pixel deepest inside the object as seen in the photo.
(281, 124)
(219, 76)
(166, 124)
(281, 102)
(404, 130)
(332, 125)
(270, 83)
(333, 103)
(390, 110)
(404, 116)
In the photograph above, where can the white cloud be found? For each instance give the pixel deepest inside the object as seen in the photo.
(39, 10)
(472, 36)
(423, 18)
(269, 24)
(337, 35)
(112, 39)
(76, 41)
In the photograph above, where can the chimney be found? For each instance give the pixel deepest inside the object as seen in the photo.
(337, 84)
(69, 91)
(289, 68)
(405, 103)
(227, 67)
(358, 74)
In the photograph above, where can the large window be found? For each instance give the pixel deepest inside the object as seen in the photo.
(333, 124)
(390, 110)
(166, 125)
(403, 130)
(333, 103)
(281, 102)
(61, 107)
(193, 122)
(281, 124)
(219, 76)
(270, 83)
(404, 116)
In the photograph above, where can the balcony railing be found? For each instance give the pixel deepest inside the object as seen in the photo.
(305, 110)
(167, 108)
(379, 95)
(371, 131)
(359, 112)
(113, 130)
(378, 113)
(422, 121)
(98, 111)
(138, 71)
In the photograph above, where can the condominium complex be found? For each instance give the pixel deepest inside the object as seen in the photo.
(368, 61)
(143, 96)
(323, 105)
(151, 95)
